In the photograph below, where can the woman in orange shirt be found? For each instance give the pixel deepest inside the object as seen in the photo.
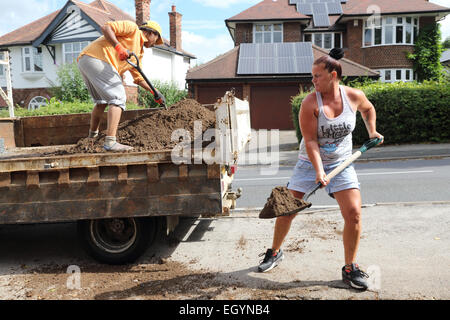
(102, 65)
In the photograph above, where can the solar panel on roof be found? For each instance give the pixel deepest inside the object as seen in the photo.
(319, 9)
(334, 8)
(275, 58)
(320, 15)
(304, 8)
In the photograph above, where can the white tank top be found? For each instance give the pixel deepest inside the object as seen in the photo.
(334, 135)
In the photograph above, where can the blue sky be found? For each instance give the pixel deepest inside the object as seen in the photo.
(204, 31)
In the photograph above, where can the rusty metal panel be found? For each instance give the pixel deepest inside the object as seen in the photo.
(100, 192)
(82, 160)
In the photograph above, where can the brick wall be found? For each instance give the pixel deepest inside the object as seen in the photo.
(22, 97)
(142, 11)
(353, 41)
(292, 32)
(175, 29)
(243, 33)
(379, 57)
(382, 57)
(132, 94)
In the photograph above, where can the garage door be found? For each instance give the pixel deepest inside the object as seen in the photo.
(210, 93)
(270, 106)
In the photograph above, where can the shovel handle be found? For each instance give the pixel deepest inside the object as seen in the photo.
(366, 146)
(158, 98)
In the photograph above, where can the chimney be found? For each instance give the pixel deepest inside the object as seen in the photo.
(175, 28)
(142, 11)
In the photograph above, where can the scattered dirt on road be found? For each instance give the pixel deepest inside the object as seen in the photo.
(280, 201)
(153, 131)
(166, 280)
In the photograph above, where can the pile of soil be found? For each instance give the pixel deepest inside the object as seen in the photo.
(281, 201)
(153, 131)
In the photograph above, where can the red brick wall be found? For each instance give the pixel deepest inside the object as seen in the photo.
(132, 94)
(175, 29)
(353, 41)
(292, 32)
(382, 57)
(22, 97)
(142, 11)
(390, 56)
(243, 33)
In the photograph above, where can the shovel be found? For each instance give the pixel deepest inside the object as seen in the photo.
(305, 204)
(159, 98)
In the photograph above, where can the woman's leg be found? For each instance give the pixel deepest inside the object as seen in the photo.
(350, 204)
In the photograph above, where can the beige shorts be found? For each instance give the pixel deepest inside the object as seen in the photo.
(102, 81)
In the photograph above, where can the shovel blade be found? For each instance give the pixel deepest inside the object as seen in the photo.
(269, 213)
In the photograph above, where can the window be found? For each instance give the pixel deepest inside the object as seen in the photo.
(390, 30)
(393, 75)
(268, 33)
(72, 50)
(32, 59)
(324, 40)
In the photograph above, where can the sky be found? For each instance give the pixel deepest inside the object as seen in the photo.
(203, 26)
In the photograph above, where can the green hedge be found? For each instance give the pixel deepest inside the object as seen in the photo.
(56, 107)
(406, 112)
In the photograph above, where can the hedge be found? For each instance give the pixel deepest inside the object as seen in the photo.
(406, 112)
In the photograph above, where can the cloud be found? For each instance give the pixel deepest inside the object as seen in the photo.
(445, 24)
(203, 25)
(206, 48)
(225, 3)
(15, 14)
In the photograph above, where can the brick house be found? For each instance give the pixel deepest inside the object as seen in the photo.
(375, 46)
(37, 49)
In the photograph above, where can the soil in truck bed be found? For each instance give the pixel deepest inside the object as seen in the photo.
(152, 131)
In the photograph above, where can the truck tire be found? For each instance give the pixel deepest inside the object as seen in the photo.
(117, 241)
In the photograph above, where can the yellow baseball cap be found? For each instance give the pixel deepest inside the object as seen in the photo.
(153, 26)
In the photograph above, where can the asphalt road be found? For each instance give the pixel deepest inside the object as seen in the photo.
(381, 182)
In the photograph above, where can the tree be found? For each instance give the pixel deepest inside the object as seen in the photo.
(446, 43)
(427, 52)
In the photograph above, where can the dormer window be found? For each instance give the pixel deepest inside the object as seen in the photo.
(268, 33)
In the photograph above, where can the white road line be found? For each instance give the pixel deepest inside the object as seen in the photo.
(359, 174)
(257, 179)
(393, 172)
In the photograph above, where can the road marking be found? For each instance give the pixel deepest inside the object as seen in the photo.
(393, 172)
(254, 179)
(359, 174)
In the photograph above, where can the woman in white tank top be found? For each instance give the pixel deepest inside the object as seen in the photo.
(327, 119)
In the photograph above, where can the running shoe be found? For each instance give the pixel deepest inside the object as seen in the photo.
(355, 277)
(270, 260)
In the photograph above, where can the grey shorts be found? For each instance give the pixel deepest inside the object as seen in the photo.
(304, 178)
(103, 82)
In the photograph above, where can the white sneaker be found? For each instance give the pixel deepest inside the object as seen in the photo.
(117, 147)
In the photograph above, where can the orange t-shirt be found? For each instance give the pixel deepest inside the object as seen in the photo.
(130, 37)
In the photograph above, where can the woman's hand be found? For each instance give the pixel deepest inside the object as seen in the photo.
(322, 178)
(377, 135)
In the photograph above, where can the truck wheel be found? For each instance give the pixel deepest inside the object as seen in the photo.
(117, 241)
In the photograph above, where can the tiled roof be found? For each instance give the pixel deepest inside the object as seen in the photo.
(269, 10)
(224, 67)
(281, 9)
(359, 7)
